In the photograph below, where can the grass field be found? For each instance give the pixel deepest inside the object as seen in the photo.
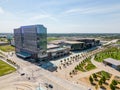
(5, 68)
(112, 52)
(7, 48)
(85, 65)
(118, 42)
(3, 39)
(49, 39)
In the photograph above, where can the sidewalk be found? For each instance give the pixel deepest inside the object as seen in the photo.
(105, 68)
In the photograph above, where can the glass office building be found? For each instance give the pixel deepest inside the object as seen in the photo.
(31, 41)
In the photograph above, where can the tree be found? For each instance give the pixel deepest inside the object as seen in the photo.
(61, 61)
(91, 79)
(103, 79)
(114, 82)
(64, 65)
(64, 60)
(71, 58)
(96, 87)
(70, 73)
(100, 82)
(112, 87)
(73, 71)
(94, 76)
(68, 59)
(9, 40)
(70, 62)
(59, 67)
(78, 56)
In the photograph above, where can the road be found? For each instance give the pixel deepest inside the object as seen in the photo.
(38, 75)
(105, 67)
(110, 42)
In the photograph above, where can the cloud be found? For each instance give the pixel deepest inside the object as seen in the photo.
(1, 11)
(3, 1)
(76, 10)
(42, 16)
(94, 10)
(39, 17)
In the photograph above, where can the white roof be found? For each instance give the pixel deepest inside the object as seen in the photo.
(57, 41)
(1, 42)
(72, 42)
(112, 61)
(49, 46)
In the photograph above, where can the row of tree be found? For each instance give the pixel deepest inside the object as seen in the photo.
(102, 81)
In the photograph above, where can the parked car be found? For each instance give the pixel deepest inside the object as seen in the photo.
(51, 86)
(22, 74)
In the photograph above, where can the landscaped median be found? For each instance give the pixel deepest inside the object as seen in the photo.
(5, 68)
(84, 66)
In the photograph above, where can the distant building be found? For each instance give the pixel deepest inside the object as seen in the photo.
(31, 41)
(113, 63)
(56, 51)
(74, 45)
(3, 36)
(77, 44)
(12, 42)
(2, 43)
(89, 42)
(57, 42)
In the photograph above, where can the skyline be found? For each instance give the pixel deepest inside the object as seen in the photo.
(64, 16)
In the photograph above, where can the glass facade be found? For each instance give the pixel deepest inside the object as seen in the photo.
(31, 39)
(41, 37)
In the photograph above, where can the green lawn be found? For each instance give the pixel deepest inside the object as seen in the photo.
(7, 48)
(118, 42)
(112, 52)
(5, 68)
(87, 64)
(105, 74)
(49, 39)
(101, 79)
(3, 39)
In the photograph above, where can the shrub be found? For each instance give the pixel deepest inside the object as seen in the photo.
(114, 82)
(94, 76)
(100, 82)
(103, 79)
(112, 87)
(91, 79)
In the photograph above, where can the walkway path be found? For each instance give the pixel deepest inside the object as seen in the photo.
(86, 74)
(105, 67)
(84, 67)
(111, 79)
(100, 67)
(48, 77)
(64, 72)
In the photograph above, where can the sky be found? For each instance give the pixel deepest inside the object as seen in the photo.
(61, 16)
